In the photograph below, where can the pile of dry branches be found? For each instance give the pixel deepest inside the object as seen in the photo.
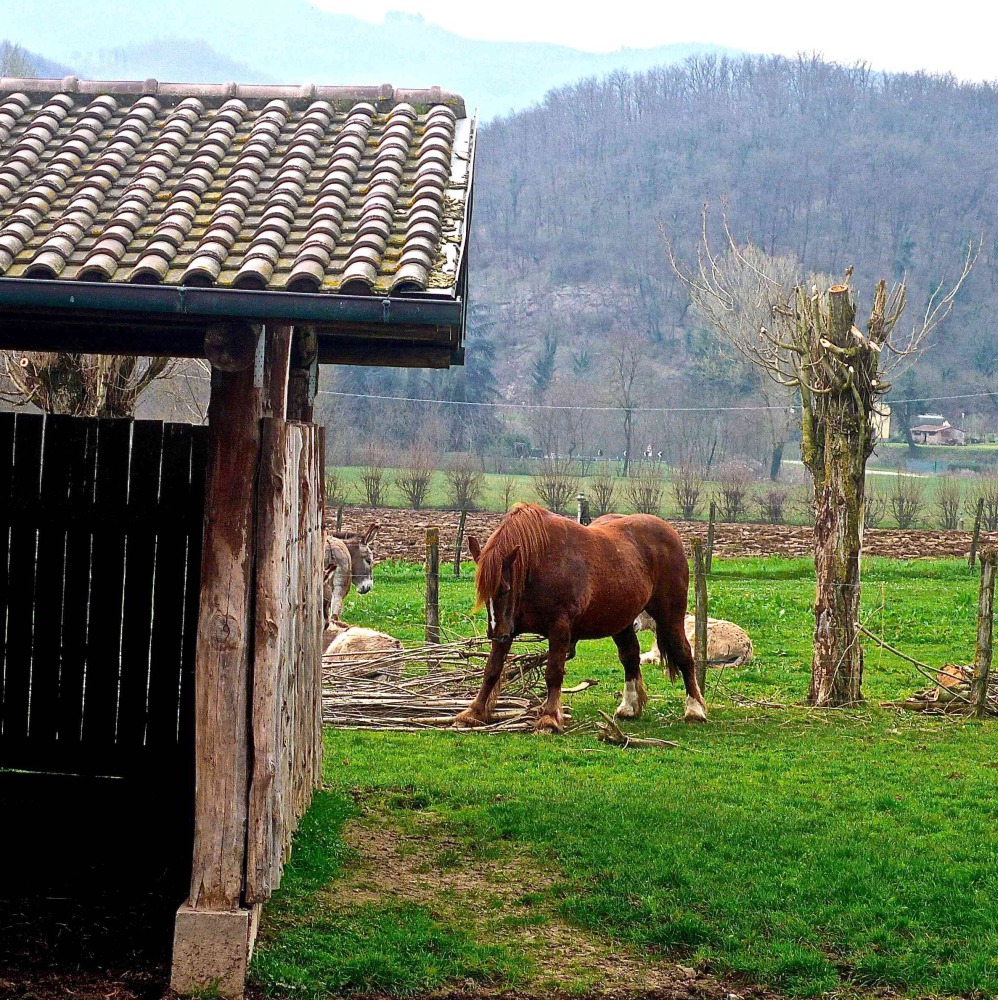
(425, 687)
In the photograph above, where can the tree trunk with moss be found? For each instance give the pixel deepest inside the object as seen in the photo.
(837, 442)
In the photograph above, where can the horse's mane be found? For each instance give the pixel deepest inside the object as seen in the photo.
(523, 527)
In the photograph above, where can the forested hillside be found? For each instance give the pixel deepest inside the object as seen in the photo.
(836, 166)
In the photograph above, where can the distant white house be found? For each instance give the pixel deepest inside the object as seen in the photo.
(933, 428)
(881, 421)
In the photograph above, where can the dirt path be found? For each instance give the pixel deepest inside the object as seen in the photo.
(501, 900)
(402, 536)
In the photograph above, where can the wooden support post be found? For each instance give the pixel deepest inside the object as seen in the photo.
(710, 537)
(339, 518)
(459, 543)
(303, 382)
(213, 934)
(700, 634)
(432, 585)
(582, 515)
(976, 537)
(277, 370)
(985, 632)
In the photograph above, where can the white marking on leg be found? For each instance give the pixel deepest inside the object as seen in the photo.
(695, 710)
(630, 706)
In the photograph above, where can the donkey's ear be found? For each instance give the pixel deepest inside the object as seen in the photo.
(371, 532)
(474, 548)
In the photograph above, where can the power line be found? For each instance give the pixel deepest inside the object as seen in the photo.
(619, 409)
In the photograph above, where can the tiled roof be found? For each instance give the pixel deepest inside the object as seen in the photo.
(328, 189)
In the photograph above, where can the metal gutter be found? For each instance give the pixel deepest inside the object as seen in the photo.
(227, 303)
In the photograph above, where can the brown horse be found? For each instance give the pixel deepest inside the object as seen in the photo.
(542, 573)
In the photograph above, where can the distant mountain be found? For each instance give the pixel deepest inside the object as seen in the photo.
(262, 41)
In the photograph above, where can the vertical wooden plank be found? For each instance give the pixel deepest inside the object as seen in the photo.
(146, 520)
(224, 637)
(6, 512)
(192, 596)
(82, 472)
(54, 514)
(166, 657)
(100, 694)
(270, 630)
(21, 567)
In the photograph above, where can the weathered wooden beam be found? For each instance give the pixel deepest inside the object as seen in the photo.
(394, 354)
(222, 682)
(277, 368)
(232, 347)
(304, 378)
(268, 663)
(213, 933)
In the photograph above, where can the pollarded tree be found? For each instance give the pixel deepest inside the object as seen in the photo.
(806, 339)
(86, 385)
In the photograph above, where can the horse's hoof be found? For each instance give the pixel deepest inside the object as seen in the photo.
(467, 720)
(626, 711)
(695, 711)
(549, 724)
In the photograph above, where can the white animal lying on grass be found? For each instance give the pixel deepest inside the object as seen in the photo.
(728, 645)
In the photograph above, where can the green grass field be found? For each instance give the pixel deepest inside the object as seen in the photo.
(813, 852)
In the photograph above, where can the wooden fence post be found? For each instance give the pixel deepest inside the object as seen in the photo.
(976, 537)
(710, 537)
(985, 630)
(432, 585)
(583, 516)
(339, 518)
(700, 635)
(459, 543)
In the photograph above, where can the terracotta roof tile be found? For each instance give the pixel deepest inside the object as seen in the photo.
(302, 189)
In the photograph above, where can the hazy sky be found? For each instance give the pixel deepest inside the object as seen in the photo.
(892, 36)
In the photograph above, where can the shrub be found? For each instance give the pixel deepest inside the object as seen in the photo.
(465, 482)
(906, 499)
(949, 501)
(507, 486)
(556, 484)
(874, 510)
(734, 483)
(644, 491)
(687, 489)
(372, 476)
(415, 477)
(337, 489)
(772, 503)
(601, 487)
(986, 489)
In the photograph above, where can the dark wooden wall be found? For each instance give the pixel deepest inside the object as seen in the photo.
(100, 556)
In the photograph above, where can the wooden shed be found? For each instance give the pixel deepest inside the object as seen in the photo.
(160, 603)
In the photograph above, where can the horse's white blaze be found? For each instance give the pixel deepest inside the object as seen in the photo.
(694, 710)
(629, 705)
(492, 615)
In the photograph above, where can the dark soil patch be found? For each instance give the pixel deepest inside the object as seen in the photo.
(403, 536)
(93, 875)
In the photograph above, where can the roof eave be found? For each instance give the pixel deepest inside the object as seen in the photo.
(118, 318)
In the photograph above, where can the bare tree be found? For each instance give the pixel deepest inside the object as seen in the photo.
(556, 483)
(602, 486)
(906, 499)
(949, 502)
(415, 477)
(806, 339)
(87, 385)
(627, 383)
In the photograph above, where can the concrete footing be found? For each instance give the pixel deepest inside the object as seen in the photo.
(212, 951)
